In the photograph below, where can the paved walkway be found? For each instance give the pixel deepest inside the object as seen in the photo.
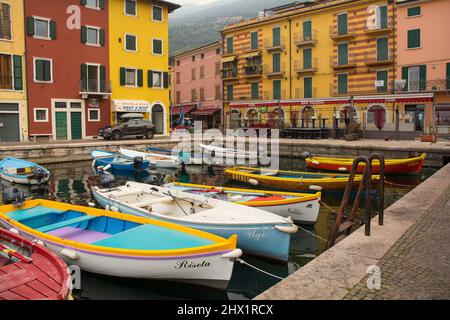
(418, 265)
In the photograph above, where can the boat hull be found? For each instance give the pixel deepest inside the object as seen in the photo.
(103, 162)
(156, 160)
(301, 212)
(263, 240)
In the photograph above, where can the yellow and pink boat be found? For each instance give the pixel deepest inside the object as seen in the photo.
(120, 245)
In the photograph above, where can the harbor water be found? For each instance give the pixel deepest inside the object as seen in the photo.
(72, 183)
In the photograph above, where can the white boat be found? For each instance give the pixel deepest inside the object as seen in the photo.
(156, 160)
(23, 172)
(259, 232)
(224, 153)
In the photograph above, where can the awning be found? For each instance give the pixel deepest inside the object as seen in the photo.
(177, 110)
(442, 107)
(130, 106)
(228, 59)
(396, 98)
(205, 112)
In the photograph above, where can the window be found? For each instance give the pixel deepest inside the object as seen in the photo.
(254, 40)
(342, 54)
(178, 77)
(202, 94)
(255, 90)
(382, 49)
(230, 48)
(202, 72)
(342, 19)
(193, 74)
(178, 63)
(230, 92)
(307, 58)
(157, 79)
(414, 12)
(276, 64)
(131, 77)
(193, 95)
(178, 97)
(130, 7)
(307, 88)
(92, 35)
(413, 38)
(193, 58)
(218, 51)
(42, 70)
(276, 36)
(40, 115)
(42, 28)
(202, 56)
(130, 42)
(5, 21)
(94, 115)
(382, 17)
(442, 115)
(342, 83)
(217, 68)
(382, 81)
(157, 13)
(218, 94)
(307, 30)
(91, 3)
(415, 77)
(157, 46)
(277, 89)
(6, 79)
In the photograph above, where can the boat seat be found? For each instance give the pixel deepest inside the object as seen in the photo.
(65, 223)
(33, 212)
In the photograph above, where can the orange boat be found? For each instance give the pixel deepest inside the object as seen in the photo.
(392, 166)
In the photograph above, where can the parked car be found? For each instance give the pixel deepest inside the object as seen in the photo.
(129, 125)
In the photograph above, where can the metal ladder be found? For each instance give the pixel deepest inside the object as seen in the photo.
(343, 225)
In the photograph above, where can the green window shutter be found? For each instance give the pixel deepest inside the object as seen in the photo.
(307, 30)
(229, 45)
(448, 75)
(30, 26)
(83, 2)
(83, 34)
(39, 70)
(342, 84)
(101, 4)
(277, 89)
(382, 76)
(122, 76)
(382, 49)
(230, 92)
(307, 87)
(47, 71)
(84, 77)
(103, 79)
(276, 34)
(414, 11)
(102, 37)
(405, 77)
(150, 78)
(140, 78)
(254, 40)
(343, 53)
(342, 24)
(18, 82)
(307, 58)
(255, 90)
(423, 77)
(276, 63)
(52, 30)
(414, 38)
(157, 46)
(383, 17)
(166, 80)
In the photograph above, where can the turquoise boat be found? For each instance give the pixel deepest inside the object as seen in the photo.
(23, 172)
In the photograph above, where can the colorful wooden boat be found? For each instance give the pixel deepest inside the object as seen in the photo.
(290, 180)
(392, 166)
(115, 244)
(259, 232)
(29, 271)
(301, 207)
(156, 160)
(23, 172)
(109, 160)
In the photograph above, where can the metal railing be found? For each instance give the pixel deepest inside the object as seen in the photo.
(373, 28)
(301, 39)
(229, 73)
(350, 62)
(377, 58)
(95, 86)
(6, 82)
(275, 44)
(253, 69)
(268, 95)
(300, 93)
(437, 85)
(310, 66)
(271, 70)
(336, 33)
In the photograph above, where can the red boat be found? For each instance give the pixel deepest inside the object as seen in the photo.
(410, 166)
(29, 271)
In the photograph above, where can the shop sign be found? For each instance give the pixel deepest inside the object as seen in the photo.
(93, 103)
(262, 109)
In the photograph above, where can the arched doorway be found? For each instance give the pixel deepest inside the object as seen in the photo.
(158, 118)
(235, 119)
(377, 115)
(276, 118)
(252, 117)
(307, 115)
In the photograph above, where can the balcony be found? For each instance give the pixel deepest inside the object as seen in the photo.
(339, 35)
(374, 30)
(302, 40)
(335, 92)
(437, 85)
(253, 71)
(300, 93)
(6, 82)
(344, 64)
(95, 87)
(372, 59)
(272, 45)
(301, 68)
(268, 95)
(272, 72)
(229, 74)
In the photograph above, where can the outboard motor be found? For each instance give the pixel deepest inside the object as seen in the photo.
(306, 155)
(107, 180)
(183, 168)
(39, 174)
(138, 161)
(13, 196)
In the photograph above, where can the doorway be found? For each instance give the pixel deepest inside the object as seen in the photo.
(68, 118)
(158, 118)
(415, 114)
(9, 122)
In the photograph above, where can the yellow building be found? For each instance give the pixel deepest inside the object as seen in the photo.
(13, 103)
(314, 61)
(139, 59)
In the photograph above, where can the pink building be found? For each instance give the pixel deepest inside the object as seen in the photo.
(423, 60)
(197, 85)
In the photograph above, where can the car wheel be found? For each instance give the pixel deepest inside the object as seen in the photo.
(116, 135)
(149, 134)
(107, 138)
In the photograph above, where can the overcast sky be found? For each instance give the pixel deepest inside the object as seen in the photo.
(194, 1)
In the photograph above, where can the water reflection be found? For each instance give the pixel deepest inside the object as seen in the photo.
(72, 183)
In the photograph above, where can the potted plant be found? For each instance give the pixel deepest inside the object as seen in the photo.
(429, 135)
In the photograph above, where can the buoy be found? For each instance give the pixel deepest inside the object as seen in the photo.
(69, 254)
(91, 204)
(100, 168)
(316, 163)
(342, 169)
(236, 253)
(315, 188)
(253, 182)
(114, 209)
(108, 207)
(14, 230)
(39, 242)
(107, 167)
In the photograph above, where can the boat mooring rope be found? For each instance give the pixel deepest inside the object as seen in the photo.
(328, 207)
(258, 269)
(398, 185)
(312, 234)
